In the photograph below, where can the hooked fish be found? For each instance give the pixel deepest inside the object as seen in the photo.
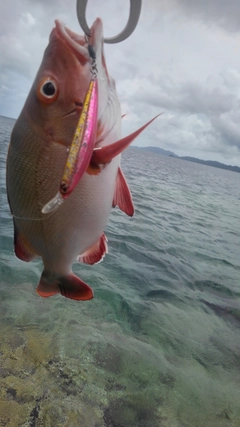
(38, 154)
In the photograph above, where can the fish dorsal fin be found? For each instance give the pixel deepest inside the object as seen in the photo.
(96, 252)
(122, 196)
(22, 247)
(103, 155)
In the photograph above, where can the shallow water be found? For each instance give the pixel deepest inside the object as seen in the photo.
(159, 344)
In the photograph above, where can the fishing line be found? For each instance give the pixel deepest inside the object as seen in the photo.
(44, 217)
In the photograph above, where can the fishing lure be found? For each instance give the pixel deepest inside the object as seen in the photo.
(82, 145)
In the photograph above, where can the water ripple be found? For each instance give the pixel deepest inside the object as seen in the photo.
(159, 343)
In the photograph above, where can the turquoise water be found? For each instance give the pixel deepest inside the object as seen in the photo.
(159, 345)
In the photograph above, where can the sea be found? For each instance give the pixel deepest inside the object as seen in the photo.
(159, 345)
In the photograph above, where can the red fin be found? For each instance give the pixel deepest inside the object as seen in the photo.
(96, 252)
(103, 155)
(22, 247)
(122, 196)
(69, 286)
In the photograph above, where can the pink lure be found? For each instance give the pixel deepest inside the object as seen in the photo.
(81, 149)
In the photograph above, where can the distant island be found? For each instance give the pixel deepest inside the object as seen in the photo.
(158, 150)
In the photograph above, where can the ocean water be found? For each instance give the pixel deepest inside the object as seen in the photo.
(159, 345)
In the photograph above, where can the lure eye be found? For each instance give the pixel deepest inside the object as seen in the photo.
(47, 90)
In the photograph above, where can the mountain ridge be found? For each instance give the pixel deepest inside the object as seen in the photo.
(168, 153)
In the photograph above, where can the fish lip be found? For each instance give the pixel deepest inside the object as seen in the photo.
(76, 42)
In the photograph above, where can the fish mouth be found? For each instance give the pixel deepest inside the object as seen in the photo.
(75, 41)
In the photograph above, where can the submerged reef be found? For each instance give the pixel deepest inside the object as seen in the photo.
(45, 382)
(41, 387)
(108, 366)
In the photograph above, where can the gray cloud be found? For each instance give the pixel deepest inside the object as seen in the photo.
(188, 97)
(221, 13)
(227, 127)
(225, 14)
(182, 59)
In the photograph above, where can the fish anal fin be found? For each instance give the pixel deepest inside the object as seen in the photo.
(103, 155)
(96, 252)
(69, 286)
(22, 247)
(122, 196)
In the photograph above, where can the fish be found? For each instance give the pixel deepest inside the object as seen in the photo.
(37, 157)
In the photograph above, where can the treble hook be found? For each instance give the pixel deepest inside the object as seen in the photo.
(135, 9)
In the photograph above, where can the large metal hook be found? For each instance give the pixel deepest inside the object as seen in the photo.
(135, 9)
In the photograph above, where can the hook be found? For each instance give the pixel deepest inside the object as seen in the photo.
(135, 10)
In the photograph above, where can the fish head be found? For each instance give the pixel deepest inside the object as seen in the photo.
(57, 96)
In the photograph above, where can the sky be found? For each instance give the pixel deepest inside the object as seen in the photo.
(183, 60)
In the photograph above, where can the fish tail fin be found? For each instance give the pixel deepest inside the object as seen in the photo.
(69, 286)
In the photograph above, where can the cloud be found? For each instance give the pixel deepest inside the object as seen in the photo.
(187, 97)
(201, 118)
(219, 13)
(183, 59)
(225, 14)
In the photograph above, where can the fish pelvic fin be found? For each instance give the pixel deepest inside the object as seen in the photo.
(122, 196)
(104, 155)
(96, 252)
(69, 286)
(23, 249)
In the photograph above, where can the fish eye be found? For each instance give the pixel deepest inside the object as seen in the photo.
(47, 90)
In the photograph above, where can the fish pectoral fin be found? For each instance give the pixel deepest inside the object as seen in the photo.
(122, 196)
(22, 247)
(96, 252)
(69, 286)
(104, 155)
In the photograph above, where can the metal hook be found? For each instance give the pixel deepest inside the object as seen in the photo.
(135, 10)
